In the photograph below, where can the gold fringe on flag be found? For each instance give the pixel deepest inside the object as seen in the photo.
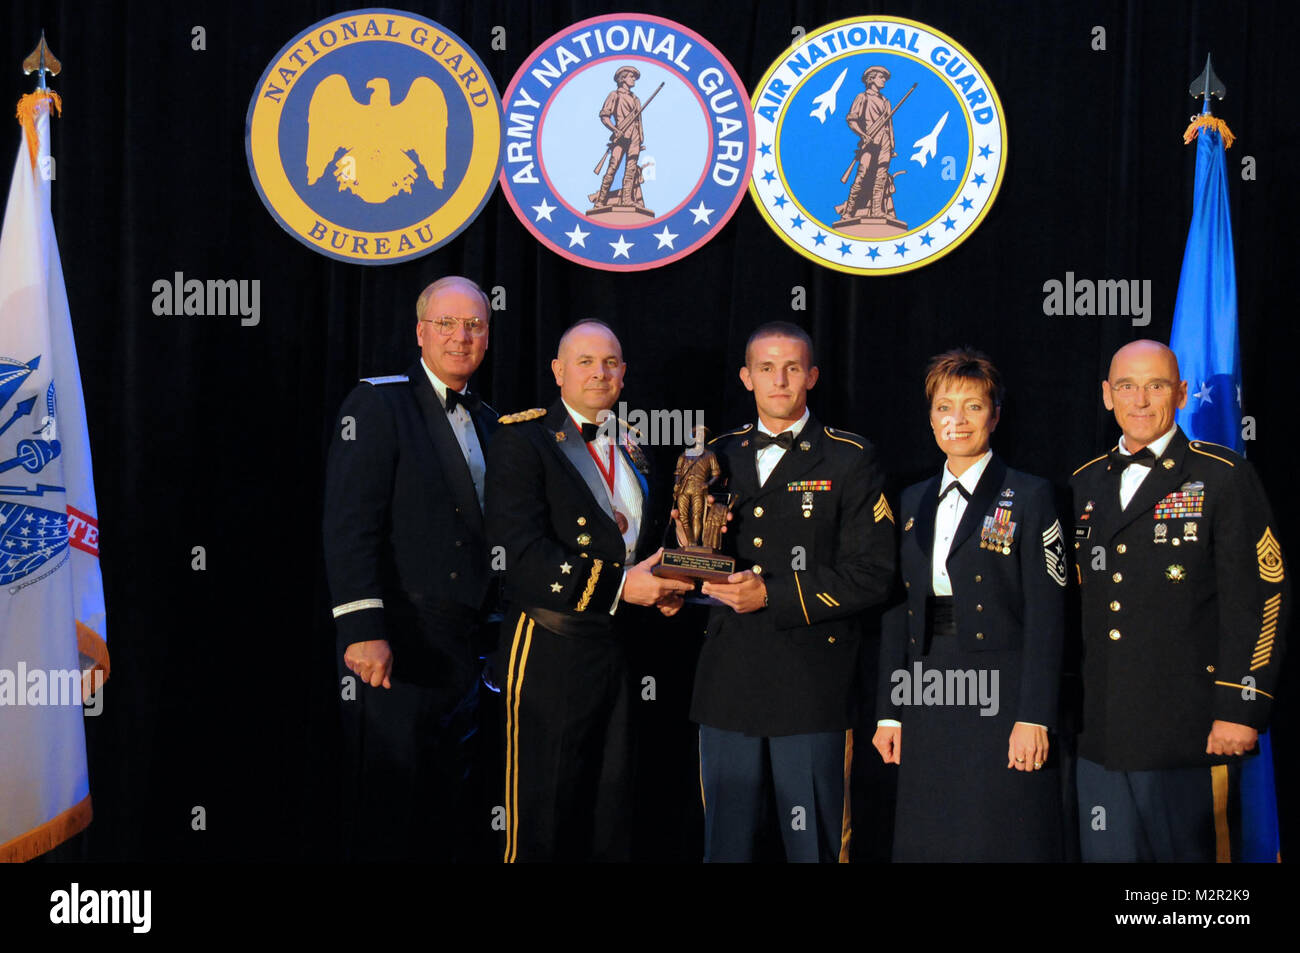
(29, 108)
(1205, 121)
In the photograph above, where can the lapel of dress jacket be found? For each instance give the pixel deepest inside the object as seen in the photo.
(573, 451)
(927, 508)
(738, 463)
(446, 447)
(796, 461)
(1158, 483)
(986, 490)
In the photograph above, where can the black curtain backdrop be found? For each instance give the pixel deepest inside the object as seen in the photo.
(224, 692)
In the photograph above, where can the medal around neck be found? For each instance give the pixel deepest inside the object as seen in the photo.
(881, 145)
(374, 136)
(629, 142)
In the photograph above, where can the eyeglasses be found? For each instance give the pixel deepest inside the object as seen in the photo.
(446, 326)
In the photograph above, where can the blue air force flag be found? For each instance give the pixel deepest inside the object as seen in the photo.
(1204, 337)
(52, 632)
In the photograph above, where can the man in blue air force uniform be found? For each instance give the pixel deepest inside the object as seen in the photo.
(409, 575)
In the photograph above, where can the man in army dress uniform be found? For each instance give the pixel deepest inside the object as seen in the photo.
(1184, 611)
(570, 508)
(626, 137)
(409, 575)
(875, 149)
(776, 687)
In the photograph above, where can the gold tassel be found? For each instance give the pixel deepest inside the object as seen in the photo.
(1209, 122)
(29, 107)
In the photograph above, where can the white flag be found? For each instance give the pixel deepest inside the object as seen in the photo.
(52, 630)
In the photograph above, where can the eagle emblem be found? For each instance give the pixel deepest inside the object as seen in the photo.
(377, 136)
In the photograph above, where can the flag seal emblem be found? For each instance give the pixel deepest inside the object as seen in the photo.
(881, 145)
(374, 136)
(629, 142)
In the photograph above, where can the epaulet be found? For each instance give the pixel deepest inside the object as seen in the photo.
(392, 379)
(844, 436)
(1090, 463)
(522, 416)
(1203, 447)
(731, 433)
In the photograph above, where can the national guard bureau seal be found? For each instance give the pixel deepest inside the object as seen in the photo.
(629, 142)
(375, 136)
(881, 145)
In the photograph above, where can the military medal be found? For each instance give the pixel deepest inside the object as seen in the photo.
(621, 520)
(1175, 573)
(1189, 532)
(807, 504)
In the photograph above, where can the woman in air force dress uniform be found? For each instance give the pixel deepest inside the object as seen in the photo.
(970, 662)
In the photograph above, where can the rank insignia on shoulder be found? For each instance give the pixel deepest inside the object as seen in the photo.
(522, 416)
(1270, 557)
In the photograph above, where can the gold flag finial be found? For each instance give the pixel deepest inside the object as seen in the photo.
(42, 60)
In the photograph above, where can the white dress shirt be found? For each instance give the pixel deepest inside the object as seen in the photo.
(625, 497)
(463, 427)
(767, 458)
(948, 517)
(1135, 473)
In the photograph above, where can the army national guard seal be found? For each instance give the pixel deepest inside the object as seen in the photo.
(629, 142)
(881, 145)
(375, 136)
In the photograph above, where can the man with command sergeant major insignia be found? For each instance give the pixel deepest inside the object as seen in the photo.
(409, 574)
(1184, 610)
(776, 687)
(570, 507)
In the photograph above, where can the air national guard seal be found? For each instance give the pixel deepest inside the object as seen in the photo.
(881, 145)
(375, 136)
(629, 142)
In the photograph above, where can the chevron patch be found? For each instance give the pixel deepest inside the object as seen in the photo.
(1270, 557)
(882, 510)
(1054, 553)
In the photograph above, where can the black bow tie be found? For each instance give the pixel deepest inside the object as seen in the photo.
(470, 402)
(1143, 456)
(783, 440)
(955, 485)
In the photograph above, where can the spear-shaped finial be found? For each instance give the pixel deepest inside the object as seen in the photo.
(1207, 85)
(42, 61)
(1204, 87)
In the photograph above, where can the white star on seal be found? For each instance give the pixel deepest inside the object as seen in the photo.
(665, 238)
(1204, 393)
(544, 211)
(620, 247)
(566, 568)
(577, 236)
(701, 214)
